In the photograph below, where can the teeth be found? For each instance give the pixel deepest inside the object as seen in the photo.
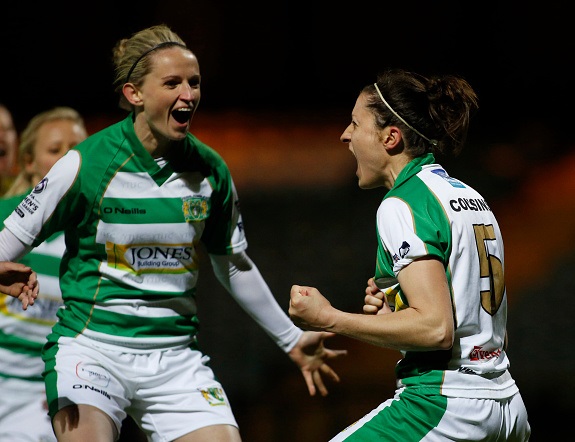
(186, 114)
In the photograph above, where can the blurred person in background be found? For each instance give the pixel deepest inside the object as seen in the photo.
(438, 294)
(23, 411)
(46, 138)
(8, 148)
(137, 201)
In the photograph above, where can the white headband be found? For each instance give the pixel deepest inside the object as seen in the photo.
(433, 142)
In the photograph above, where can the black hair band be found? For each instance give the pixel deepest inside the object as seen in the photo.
(158, 46)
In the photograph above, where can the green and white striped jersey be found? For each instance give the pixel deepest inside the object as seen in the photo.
(429, 213)
(130, 270)
(23, 332)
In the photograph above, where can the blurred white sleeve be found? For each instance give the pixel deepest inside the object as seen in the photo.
(242, 279)
(11, 248)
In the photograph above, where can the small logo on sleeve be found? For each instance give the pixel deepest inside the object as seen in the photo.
(443, 174)
(403, 251)
(41, 186)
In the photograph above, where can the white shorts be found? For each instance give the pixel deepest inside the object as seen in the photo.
(169, 393)
(435, 418)
(23, 413)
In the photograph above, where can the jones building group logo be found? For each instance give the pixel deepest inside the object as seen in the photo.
(151, 258)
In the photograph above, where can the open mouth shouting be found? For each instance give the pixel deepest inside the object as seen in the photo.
(182, 115)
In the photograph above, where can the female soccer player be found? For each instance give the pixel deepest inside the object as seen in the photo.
(440, 239)
(136, 200)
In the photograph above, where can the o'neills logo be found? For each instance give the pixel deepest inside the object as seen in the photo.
(140, 258)
(195, 208)
(477, 354)
(124, 211)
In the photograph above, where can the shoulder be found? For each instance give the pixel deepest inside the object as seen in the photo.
(206, 152)
(109, 137)
(203, 158)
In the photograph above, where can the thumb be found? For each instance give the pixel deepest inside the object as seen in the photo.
(298, 290)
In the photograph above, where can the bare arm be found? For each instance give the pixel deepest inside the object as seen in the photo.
(427, 324)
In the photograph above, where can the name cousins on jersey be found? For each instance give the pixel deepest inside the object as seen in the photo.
(475, 204)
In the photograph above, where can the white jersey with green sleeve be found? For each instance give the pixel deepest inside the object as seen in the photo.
(429, 213)
(23, 332)
(130, 272)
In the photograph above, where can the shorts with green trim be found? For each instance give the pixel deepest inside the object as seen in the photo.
(168, 392)
(411, 416)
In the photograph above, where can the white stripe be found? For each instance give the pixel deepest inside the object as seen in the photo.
(163, 309)
(157, 233)
(127, 185)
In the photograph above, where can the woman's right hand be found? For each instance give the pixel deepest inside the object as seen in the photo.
(375, 301)
(19, 281)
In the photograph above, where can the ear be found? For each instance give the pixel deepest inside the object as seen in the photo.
(392, 137)
(28, 163)
(132, 94)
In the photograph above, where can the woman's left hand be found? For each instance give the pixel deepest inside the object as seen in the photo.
(310, 355)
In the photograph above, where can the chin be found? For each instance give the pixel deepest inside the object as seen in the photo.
(178, 135)
(367, 185)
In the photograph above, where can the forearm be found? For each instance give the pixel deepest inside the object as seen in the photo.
(406, 330)
(11, 248)
(242, 279)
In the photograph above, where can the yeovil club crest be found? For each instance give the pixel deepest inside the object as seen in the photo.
(195, 208)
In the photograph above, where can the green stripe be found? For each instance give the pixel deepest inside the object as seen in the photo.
(116, 324)
(43, 264)
(51, 376)
(24, 378)
(408, 420)
(142, 210)
(19, 345)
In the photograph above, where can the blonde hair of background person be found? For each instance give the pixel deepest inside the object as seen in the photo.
(8, 147)
(23, 411)
(42, 143)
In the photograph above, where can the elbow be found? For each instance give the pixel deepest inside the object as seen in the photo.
(445, 337)
(441, 336)
(445, 333)
(446, 344)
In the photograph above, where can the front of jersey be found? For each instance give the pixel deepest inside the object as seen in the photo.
(429, 213)
(131, 226)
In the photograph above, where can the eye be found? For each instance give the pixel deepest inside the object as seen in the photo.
(54, 150)
(195, 80)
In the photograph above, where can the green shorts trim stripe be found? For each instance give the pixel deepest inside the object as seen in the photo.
(408, 419)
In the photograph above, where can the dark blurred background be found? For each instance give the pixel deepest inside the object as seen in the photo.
(279, 82)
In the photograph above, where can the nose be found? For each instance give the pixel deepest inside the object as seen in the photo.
(189, 93)
(345, 137)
